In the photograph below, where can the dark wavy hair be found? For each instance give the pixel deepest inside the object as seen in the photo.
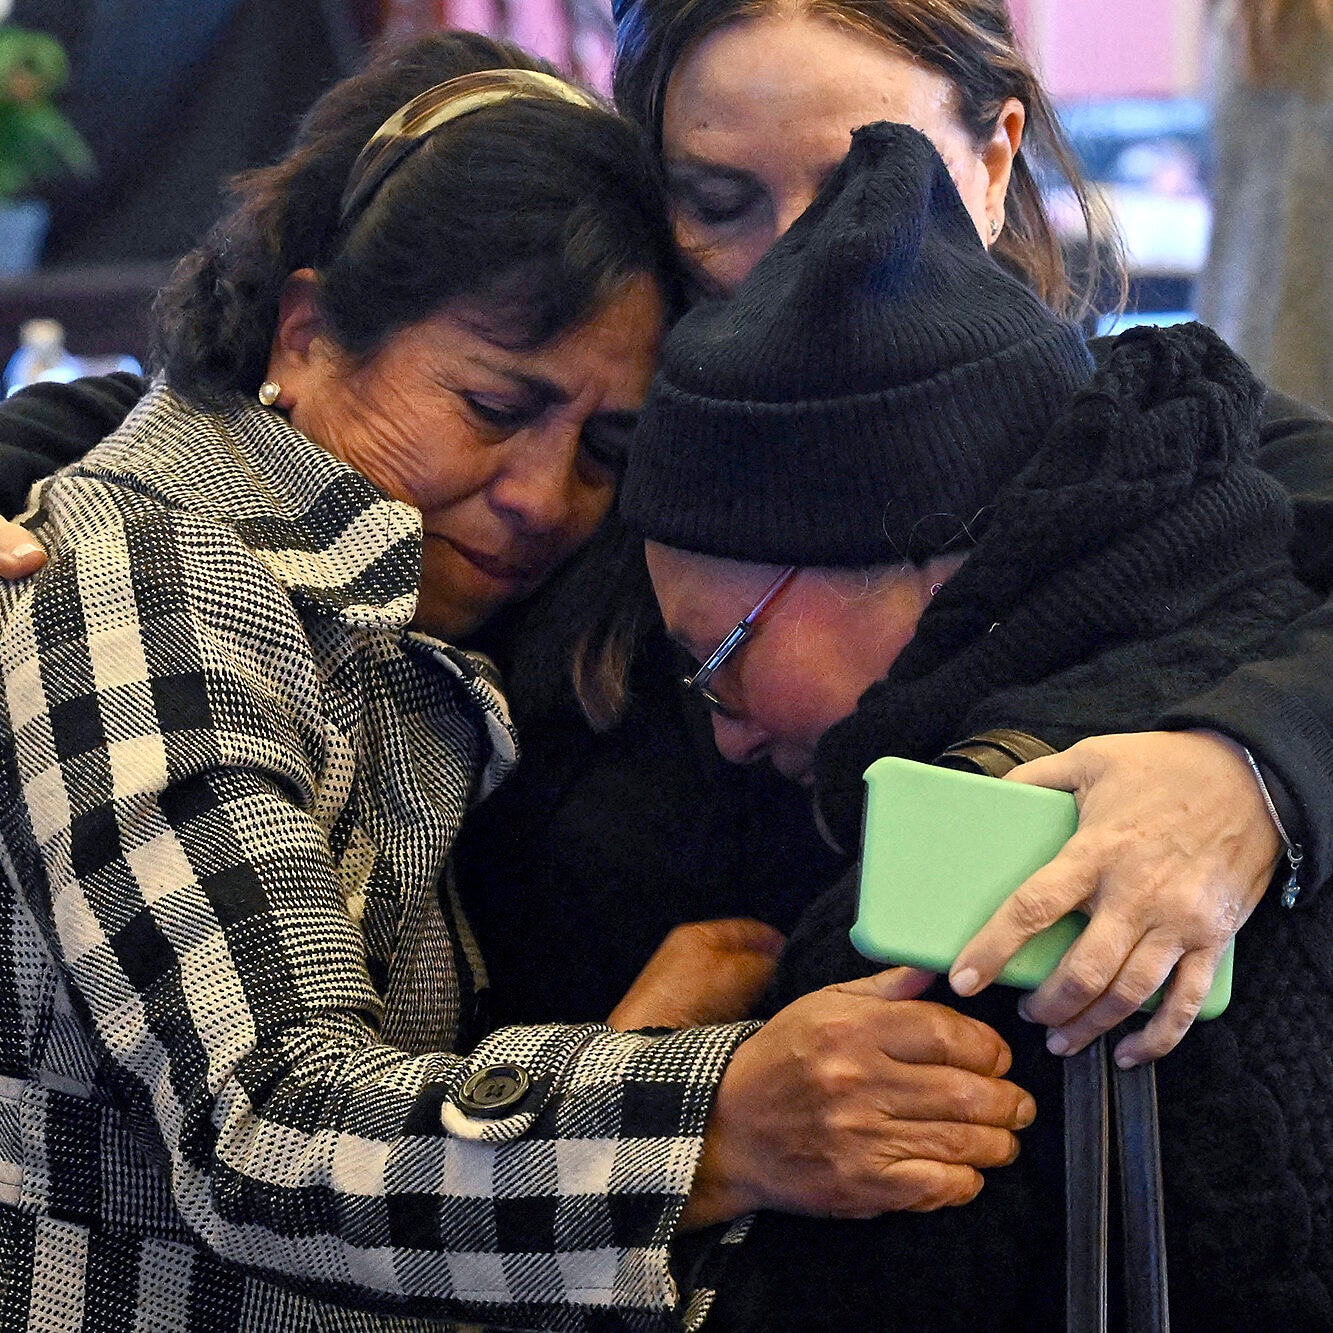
(533, 211)
(970, 42)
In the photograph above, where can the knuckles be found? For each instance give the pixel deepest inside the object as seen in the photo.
(840, 1083)
(1123, 996)
(1037, 905)
(1081, 982)
(931, 1033)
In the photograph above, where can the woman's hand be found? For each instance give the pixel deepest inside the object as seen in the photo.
(856, 1100)
(1174, 850)
(19, 554)
(703, 972)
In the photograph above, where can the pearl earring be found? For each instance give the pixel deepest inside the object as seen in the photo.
(268, 392)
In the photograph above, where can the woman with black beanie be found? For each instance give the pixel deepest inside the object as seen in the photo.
(750, 105)
(947, 522)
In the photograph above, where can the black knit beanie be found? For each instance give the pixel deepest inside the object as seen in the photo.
(866, 391)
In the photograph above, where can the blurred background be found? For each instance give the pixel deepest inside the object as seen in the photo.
(168, 98)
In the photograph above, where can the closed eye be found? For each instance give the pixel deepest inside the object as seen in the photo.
(607, 438)
(713, 200)
(713, 213)
(506, 417)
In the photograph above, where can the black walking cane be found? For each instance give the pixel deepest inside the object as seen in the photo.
(1090, 1097)
(1093, 1086)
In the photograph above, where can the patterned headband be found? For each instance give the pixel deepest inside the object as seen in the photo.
(437, 106)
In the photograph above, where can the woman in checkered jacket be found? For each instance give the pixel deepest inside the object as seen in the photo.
(241, 1081)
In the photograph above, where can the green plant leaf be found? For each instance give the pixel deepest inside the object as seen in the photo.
(37, 142)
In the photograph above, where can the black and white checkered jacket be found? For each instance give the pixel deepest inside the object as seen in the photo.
(229, 988)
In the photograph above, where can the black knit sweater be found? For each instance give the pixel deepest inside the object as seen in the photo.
(1136, 560)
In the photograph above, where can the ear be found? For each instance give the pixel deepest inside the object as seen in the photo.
(998, 156)
(299, 342)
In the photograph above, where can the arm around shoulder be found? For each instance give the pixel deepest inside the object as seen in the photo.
(45, 426)
(1296, 448)
(244, 956)
(42, 428)
(1280, 707)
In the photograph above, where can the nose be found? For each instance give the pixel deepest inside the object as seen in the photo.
(738, 740)
(788, 209)
(537, 483)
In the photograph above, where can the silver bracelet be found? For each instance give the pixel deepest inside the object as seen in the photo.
(1295, 855)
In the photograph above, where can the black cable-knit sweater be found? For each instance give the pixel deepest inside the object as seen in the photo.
(1136, 560)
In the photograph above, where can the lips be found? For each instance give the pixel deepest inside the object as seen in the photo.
(496, 567)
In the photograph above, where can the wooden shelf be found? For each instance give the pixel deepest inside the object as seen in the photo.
(106, 310)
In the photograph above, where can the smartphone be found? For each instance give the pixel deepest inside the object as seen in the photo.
(942, 849)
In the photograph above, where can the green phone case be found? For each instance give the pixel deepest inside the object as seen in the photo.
(940, 850)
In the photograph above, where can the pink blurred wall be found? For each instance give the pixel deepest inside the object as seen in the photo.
(1114, 48)
(543, 27)
(1084, 48)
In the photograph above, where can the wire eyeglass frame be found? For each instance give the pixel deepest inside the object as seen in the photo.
(697, 681)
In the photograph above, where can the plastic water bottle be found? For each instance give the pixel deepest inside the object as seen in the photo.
(41, 355)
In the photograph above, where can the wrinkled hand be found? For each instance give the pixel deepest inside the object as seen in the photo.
(1174, 850)
(703, 972)
(19, 554)
(856, 1100)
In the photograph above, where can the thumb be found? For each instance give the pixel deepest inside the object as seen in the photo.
(898, 983)
(1063, 772)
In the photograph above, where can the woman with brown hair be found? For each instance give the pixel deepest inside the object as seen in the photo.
(957, 64)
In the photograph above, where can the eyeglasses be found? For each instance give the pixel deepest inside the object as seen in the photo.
(698, 682)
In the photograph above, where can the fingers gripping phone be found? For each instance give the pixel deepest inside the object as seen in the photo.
(942, 849)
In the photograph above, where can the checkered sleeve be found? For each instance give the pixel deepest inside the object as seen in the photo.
(168, 773)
